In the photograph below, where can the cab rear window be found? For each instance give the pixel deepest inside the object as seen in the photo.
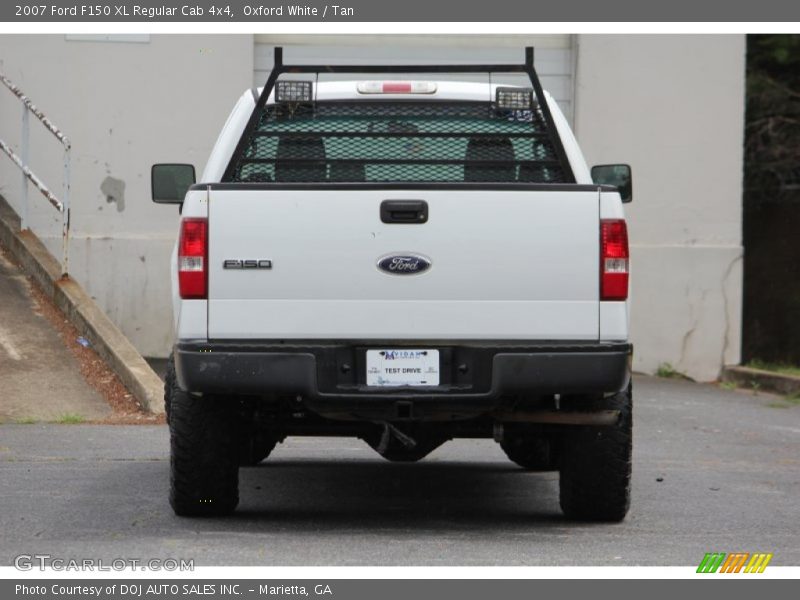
(398, 142)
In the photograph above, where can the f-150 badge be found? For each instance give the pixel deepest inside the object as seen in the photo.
(250, 263)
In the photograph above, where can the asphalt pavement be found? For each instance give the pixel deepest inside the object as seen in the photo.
(714, 470)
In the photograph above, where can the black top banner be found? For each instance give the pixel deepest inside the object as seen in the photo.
(460, 11)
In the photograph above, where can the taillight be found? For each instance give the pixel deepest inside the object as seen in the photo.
(614, 257)
(193, 259)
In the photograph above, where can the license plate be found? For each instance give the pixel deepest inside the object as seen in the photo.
(402, 367)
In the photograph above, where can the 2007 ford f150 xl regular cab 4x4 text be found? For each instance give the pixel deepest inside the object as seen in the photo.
(404, 260)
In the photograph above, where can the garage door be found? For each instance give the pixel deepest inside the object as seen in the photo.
(554, 54)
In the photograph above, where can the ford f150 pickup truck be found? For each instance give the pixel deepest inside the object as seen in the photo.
(404, 258)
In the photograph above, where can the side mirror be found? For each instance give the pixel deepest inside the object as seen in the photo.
(616, 175)
(169, 182)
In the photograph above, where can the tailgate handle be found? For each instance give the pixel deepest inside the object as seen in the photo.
(404, 211)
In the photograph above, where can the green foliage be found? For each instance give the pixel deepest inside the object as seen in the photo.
(778, 405)
(776, 54)
(782, 368)
(70, 419)
(787, 401)
(667, 371)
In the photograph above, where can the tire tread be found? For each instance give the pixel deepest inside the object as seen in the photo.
(204, 461)
(595, 470)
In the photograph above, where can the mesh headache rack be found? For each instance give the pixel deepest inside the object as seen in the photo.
(406, 140)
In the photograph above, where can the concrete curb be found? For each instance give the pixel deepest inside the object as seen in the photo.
(767, 381)
(106, 339)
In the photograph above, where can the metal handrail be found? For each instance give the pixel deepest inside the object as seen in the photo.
(21, 161)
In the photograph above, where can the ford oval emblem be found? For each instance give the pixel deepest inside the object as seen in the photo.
(404, 264)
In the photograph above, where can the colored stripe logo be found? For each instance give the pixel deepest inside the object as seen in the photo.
(735, 562)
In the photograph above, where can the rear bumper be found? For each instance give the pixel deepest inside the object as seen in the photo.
(332, 374)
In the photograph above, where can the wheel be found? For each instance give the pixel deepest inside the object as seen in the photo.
(204, 462)
(170, 383)
(529, 449)
(391, 448)
(255, 447)
(595, 464)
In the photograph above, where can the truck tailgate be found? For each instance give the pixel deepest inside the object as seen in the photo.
(505, 265)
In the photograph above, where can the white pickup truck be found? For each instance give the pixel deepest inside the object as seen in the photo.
(405, 260)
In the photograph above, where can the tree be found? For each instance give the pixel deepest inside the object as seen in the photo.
(772, 135)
